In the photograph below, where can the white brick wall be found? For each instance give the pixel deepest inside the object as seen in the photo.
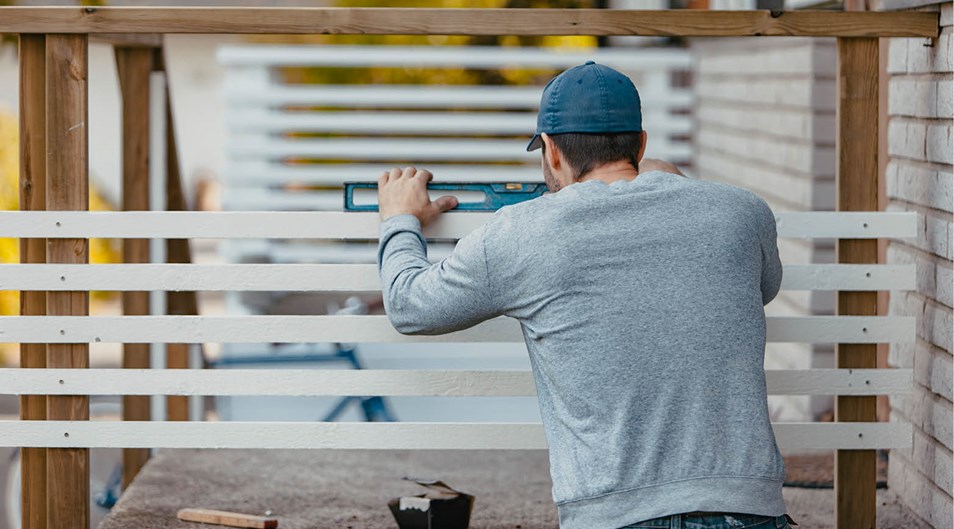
(920, 178)
(766, 121)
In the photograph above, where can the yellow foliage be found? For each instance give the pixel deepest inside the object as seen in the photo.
(444, 76)
(101, 250)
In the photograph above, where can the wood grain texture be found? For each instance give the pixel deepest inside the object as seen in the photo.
(857, 147)
(67, 189)
(134, 65)
(32, 60)
(183, 303)
(231, 519)
(128, 40)
(387, 435)
(389, 382)
(355, 225)
(419, 21)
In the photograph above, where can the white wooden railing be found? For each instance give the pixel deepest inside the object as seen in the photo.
(362, 277)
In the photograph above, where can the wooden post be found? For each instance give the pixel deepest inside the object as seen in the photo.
(177, 251)
(857, 146)
(134, 66)
(33, 198)
(67, 188)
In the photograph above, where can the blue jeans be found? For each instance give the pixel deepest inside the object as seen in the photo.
(716, 521)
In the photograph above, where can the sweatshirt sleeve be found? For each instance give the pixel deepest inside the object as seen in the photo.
(424, 298)
(771, 265)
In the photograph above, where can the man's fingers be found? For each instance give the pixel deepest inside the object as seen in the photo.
(425, 175)
(394, 174)
(383, 179)
(409, 172)
(445, 203)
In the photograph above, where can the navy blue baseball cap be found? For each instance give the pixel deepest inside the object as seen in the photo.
(589, 98)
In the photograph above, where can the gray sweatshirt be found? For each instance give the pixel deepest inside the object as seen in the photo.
(641, 304)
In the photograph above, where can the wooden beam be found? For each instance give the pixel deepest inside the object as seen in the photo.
(421, 21)
(857, 147)
(33, 197)
(178, 303)
(128, 40)
(134, 66)
(67, 188)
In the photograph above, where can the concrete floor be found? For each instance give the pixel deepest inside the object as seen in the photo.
(349, 489)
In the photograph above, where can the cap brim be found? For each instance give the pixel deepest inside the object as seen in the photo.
(535, 143)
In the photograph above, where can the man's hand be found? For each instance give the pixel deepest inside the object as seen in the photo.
(651, 164)
(401, 192)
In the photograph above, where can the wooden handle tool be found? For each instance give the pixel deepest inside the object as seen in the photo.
(231, 519)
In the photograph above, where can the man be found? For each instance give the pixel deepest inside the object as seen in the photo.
(640, 296)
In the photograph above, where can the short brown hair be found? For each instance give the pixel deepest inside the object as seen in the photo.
(585, 151)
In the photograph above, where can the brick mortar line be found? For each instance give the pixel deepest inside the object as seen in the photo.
(921, 208)
(916, 120)
(935, 350)
(940, 306)
(936, 443)
(914, 426)
(908, 117)
(929, 298)
(936, 398)
(935, 395)
(933, 304)
(917, 76)
(910, 465)
(923, 164)
(921, 253)
(908, 462)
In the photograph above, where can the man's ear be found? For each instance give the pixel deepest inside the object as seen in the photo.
(642, 145)
(551, 152)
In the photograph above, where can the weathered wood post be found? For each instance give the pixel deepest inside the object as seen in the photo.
(134, 65)
(67, 188)
(177, 251)
(33, 198)
(857, 146)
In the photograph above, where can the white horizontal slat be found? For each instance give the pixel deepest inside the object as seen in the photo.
(236, 198)
(377, 329)
(336, 174)
(403, 123)
(252, 199)
(258, 199)
(391, 383)
(302, 252)
(190, 277)
(410, 96)
(350, 225)
(353, 278)
(847, 224)
(839, 381)
(384, 435)
(405, 149)
(660, 59)
(848, 277)
(438, 149)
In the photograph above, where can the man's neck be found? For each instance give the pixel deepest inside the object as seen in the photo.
(611, 172)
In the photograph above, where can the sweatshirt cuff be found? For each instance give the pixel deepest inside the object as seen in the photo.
(396, 224)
